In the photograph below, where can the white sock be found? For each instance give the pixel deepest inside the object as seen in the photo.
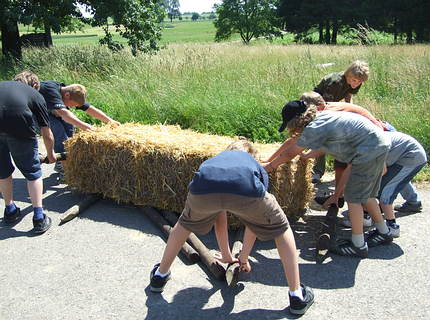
(358, 240)
(163, 275)
(297, 293)
(382, 227)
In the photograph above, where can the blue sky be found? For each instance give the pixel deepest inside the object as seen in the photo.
(197, 5)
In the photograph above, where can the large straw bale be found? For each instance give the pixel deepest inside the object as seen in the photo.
(153, 165)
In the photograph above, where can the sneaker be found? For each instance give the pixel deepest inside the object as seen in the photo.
(367, 219)
(11, 218)
(157, 282)
(298, 306)
(375, 238)
(409, 207)
(316, 178)
(42, 225)
(58, 167)
(322, 200)
(394, 229)
(347, 248)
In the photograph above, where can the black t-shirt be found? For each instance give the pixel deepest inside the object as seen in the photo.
(50, 90)
(20, 107)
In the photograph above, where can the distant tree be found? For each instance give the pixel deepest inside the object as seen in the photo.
(172, 9)
(135, 20)
(212, 16)
(195, 16)
(249, 18)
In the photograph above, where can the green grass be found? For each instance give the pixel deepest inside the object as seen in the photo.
(232, 89)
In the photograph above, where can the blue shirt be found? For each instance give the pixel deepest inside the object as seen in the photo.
(234, 172)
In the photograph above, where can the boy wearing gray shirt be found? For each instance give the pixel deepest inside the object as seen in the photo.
(405, 159)
(352, 139)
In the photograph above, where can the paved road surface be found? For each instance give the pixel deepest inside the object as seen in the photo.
(97, 267)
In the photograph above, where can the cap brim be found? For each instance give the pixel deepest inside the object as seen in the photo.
(282, 127)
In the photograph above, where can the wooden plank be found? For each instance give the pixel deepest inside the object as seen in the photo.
(77, 209)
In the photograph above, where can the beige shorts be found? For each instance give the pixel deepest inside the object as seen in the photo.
(263, 215)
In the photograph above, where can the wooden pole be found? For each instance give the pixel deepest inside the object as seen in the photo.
(191, 254)
(233, 269)
(77, 209)
(59, 156)
(206, 256)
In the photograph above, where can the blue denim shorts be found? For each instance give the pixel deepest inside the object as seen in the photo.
(25, 155)
(61, 131)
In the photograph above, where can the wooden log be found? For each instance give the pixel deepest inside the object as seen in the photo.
(206, 256)
(77, 209)
(59, 156)
(233, 269)
(327, 236)
(191, 254)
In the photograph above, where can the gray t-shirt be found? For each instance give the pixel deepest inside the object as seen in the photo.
(405, 150)
(348, 137)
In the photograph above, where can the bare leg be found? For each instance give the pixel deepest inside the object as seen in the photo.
(6, 189)
(288, 253)
(388, 210)
(177, 238)
(35, 189)
(221, 233)
(372, 207)
(356, 217)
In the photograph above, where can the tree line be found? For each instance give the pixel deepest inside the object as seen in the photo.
(139, 20)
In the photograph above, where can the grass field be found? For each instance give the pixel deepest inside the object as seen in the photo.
(232, 89)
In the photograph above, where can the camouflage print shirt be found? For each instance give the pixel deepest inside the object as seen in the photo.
(334, 87)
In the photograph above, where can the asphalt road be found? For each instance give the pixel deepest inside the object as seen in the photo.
(97, 267)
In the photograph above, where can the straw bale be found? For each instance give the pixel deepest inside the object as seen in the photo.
(153, 165)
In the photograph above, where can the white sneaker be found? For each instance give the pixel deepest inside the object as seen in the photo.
(394, 229)
(367, 220)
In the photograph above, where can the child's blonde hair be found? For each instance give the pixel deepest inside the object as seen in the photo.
(77, 92)
(312, 97)
(243, 145)
(300, 121)
(358, 69)
(29, 78)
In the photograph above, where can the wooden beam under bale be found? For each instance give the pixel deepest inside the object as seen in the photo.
(233, 269)
(78, 208)
(153, 165)
(191, 254)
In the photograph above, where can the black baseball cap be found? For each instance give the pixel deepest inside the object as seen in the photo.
(290, 110)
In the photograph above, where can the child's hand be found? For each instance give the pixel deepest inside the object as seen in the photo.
(244, 265)
(334, 199)
(218, 256)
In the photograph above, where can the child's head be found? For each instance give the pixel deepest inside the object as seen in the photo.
(312, 97)
(300, 121)
(29, 78)
(290, 110)
(357, 73)
(243, 145)
(73, 95)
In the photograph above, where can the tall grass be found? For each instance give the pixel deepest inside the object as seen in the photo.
(232, 89)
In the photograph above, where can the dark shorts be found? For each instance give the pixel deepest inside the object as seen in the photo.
(61, 131)
(25, 155)
(262, 215)
(339, 165)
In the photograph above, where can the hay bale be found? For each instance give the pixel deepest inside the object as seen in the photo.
(153, 165)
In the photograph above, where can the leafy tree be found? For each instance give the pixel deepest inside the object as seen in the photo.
(135, 20)
(195, 16)
(250, 18)
(172, 9)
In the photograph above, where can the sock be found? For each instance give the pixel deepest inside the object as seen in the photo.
(297, 293)
(10, 208)
(357, 240)
(163, 275)
(382, 227)
(38, 213)
(391, 221)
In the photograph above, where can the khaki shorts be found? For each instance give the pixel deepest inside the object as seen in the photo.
(365, 180)
(263, 215)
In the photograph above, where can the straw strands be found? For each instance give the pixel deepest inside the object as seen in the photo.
(153, 165)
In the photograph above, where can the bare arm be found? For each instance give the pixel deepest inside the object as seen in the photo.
(100, 115)
(221, 233)
(285, 145)
(340, 186)
(69, 117)
(284, 156)
(48, 141)
(311, 154)
(248, 242)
